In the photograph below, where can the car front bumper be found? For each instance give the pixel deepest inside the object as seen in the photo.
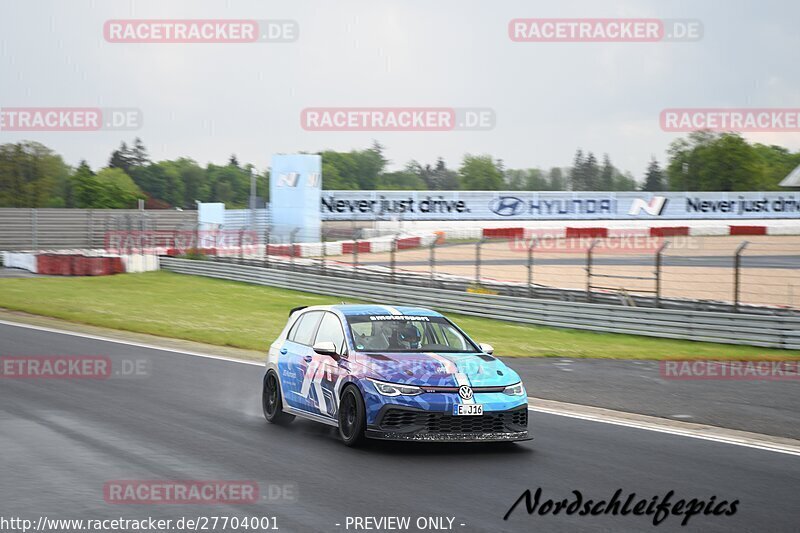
(413, 424)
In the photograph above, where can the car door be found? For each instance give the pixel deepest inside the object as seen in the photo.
(295, 356)
(326, 371)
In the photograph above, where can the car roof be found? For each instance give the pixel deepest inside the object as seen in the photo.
(368, 309)
(373, 309)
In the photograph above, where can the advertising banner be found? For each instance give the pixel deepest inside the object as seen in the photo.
(525, 205)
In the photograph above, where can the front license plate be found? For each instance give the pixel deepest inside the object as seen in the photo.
(468, 409)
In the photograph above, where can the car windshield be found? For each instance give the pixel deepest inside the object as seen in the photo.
(404, 333)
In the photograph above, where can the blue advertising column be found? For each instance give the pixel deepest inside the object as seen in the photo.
(295, 190)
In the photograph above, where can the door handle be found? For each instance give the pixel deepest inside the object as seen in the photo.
(283, 351)
(307, 358)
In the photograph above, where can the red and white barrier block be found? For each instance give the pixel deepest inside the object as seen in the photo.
(83, 263)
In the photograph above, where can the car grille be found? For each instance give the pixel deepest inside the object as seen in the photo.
(406, 420)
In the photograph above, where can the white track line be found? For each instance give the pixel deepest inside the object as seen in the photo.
(699, 433)
(696, 433)
(129, 343)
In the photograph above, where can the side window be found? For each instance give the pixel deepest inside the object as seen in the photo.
(330, 329)
(304, 329)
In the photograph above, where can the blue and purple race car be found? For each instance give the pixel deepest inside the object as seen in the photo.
(396, 373)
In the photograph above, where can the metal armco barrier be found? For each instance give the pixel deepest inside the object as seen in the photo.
(728, 328)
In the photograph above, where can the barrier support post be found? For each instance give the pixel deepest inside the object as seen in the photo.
(89, 227)
(478, 261)
(589, 271)
(737, 267)
(292, 236)
(266, 246)
(355, 253)
(392, 260)
(432, 261)
(659, 255)
(324, 245)
(531, 246)
(34, 229)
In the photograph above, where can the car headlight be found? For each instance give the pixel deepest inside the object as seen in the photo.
(515, 390)
(395, 389)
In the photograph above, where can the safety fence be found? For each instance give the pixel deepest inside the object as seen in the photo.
(55, 229)
(756, 273)
(731, 328)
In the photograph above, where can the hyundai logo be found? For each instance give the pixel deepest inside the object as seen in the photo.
(465, 391)
(507, 206)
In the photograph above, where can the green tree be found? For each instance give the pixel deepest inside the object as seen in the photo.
(777, 162)
(707, 161)
(84, 186)
(32, 175)
(121, 158)
(117, 188)
(137, 157)
(577, 174)
(402, 180)
(606, 182)
(229, 184)
(624, 182)
(480, 173)
(556, 180)
(654, 178)
(591, 173)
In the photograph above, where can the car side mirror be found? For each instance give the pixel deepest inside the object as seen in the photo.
(326, 348)
(486, 348)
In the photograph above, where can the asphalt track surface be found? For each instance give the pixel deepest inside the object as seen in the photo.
(194, 418)
(768, 407)
(710, 261)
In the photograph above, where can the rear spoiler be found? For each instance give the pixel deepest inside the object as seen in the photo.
(293, 311)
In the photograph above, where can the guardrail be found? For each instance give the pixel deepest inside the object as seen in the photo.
(728, 328)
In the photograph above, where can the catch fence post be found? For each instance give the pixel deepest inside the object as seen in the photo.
(737, 266)
(534, 242)
(589, 271)
(355, 253)
(266, 245)
(324, 251)
(432, 261)
(35, 229)
(393, 260)
(478, 261)
(659, 255)
(292, 236)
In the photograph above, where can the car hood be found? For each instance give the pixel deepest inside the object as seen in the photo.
(437, 369)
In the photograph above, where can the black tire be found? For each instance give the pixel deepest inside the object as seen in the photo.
(272, 402)
(352, 417)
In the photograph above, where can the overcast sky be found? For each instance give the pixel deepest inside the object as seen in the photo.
(207, 101)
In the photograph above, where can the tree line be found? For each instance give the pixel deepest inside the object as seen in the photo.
(33, 175)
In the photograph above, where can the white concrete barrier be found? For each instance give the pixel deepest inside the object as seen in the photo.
(23, 260)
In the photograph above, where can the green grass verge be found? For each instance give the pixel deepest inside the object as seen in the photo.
(249, 316)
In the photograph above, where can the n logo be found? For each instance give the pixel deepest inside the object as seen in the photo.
(654, 207)
(289, 180)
